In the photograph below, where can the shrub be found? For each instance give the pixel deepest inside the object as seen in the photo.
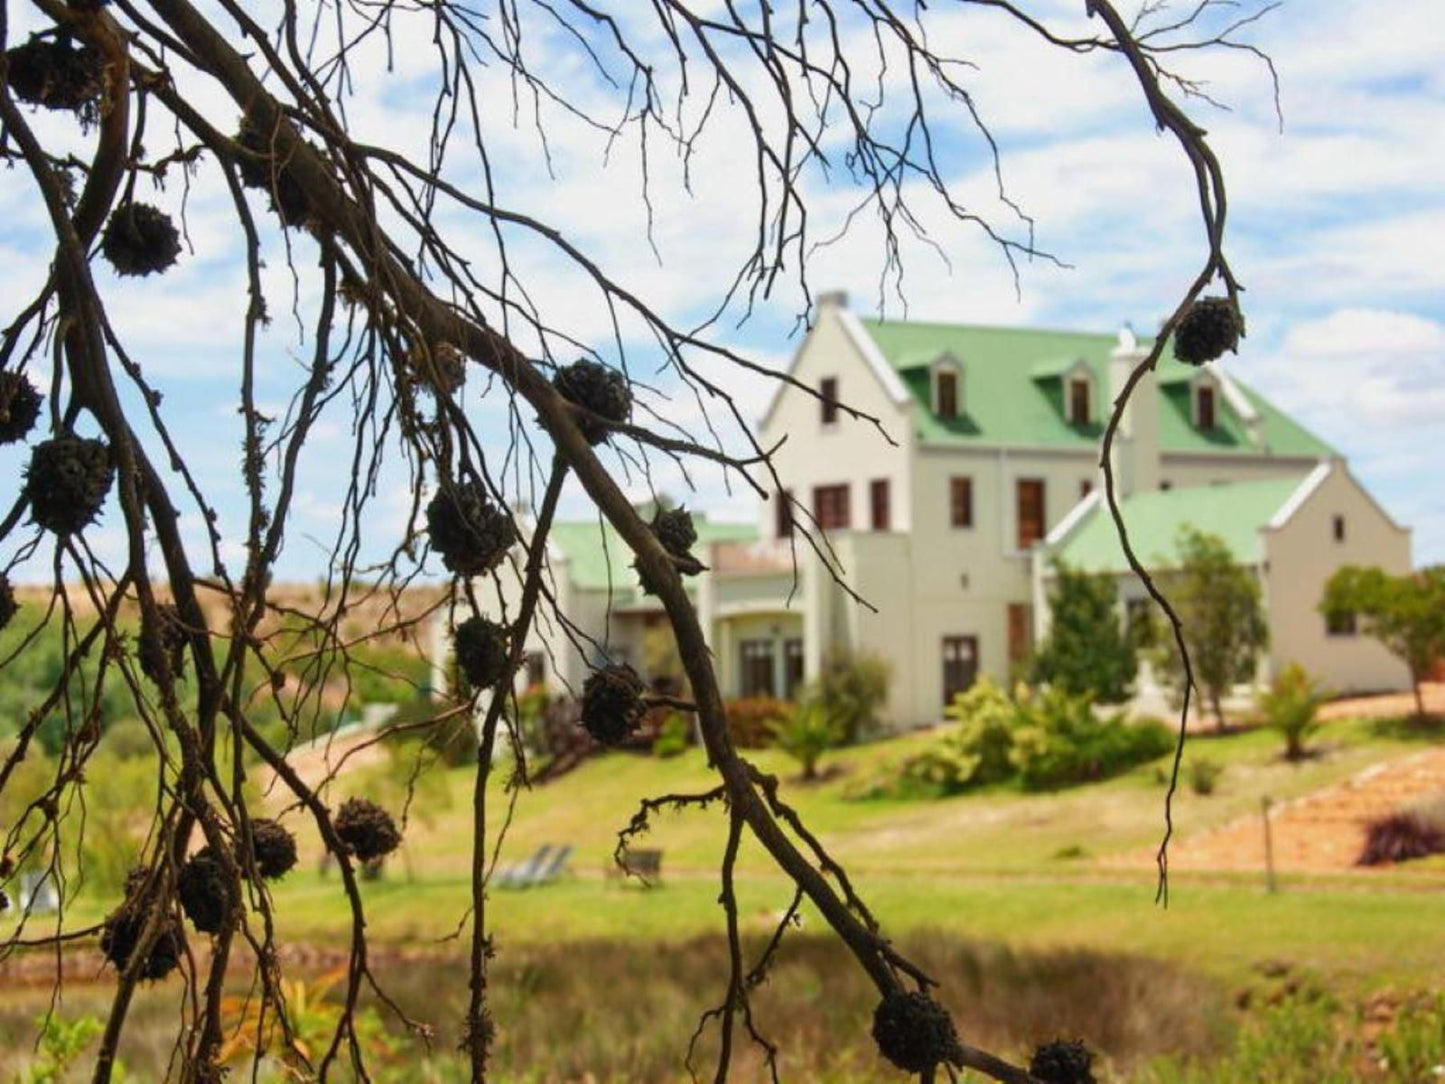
(750, 720)
(1399, 837)
(806, 733)
(1059, 742)
(1290, 706)
(1204, 775)
(673, 738)
(1087, 650)
(981, 742)
(853, 687)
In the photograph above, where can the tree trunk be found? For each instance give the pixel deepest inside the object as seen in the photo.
(1218, 708)
(1419, 695)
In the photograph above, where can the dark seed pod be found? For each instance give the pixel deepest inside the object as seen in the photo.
(481, 647)
(1210, 327)
(612, 703)
(120, 935)
(468, 530)
(140, 240)
(168, 653)
(205, 897)
(1063, 1062)
(674, 529)
(288, 199)
(273, 847)
(19, 406)
(67, 481)
(599, 390)
(56, 73)
(367, 829)
(914, 1032)
(8, 605)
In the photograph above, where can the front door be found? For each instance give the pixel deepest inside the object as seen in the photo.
(960, 665)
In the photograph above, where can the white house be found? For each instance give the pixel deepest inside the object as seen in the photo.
(976, 466)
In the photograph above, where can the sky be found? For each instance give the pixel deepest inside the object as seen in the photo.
(1337, 218)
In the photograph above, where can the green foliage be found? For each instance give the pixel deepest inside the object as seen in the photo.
(452, 739)
(1204, 775)
(60, 1046)
(853, 686)
(1218, 603)
(1291, 706)
(673, 738)
(1087, 650)
(1405, 613)
(981, 742)
(1058, 742)
(1415, 1048)
(119, 795)
(806, 733)
(751, 719)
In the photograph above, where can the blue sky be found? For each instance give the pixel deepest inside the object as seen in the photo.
(1337, 222)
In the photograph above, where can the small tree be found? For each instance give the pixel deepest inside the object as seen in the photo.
(1087, 650)
(853, 687)
(1291, 706)
(1405, 613)
(1218, 603)
(806, 733)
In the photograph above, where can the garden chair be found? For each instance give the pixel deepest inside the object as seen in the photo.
(520, 874)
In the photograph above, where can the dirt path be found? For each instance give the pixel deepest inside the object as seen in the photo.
(1321, 832)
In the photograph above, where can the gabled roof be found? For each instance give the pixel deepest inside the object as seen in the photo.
(1011, 400)
(1236, 511)
(598, 558)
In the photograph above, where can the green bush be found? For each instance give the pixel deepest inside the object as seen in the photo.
(981, 742)
(1058, 742)
(853, 687)
(1087, 650)
(1291, 706)
(674, 737)
(806, 733)
(1204, 775)
(751, 719)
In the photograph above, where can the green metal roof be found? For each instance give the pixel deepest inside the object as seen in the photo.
(598, 558)
(1009, 400)
(1236, 511)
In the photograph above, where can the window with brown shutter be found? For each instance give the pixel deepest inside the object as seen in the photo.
(828, 392)
(947, 394)
(830, 507)
(1079, 402)
(960, 501)
(1030, 492)
(960, 665)
(784, 513)
(1020, 631)
(1206, 407)
(878, 500)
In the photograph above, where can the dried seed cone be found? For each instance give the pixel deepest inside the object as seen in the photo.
(205, 897)
(120, 935)
(273, 847)
(367, 829)
(599, 390)
(67, 481)
(288, 199)
(8, 605)
(168, 654)
(19, 407)
(468, 530)
(481, 647)
(140, 240)
(1210, 327)
(914, 1032)
(612, 703)
(675, 531)
(1063, 1062)
(56, 73)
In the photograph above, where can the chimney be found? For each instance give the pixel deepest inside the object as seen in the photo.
(832, 299)
(1136, 447)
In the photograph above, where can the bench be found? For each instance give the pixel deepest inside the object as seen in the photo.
(643, 863)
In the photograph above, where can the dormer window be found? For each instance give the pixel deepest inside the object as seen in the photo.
(1204, 414)
(1080, 400)
(947, 388)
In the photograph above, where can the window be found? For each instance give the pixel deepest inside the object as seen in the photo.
(1204, 399)
(878, 503)
(1339, 528)
(830, 507)
(792, 668)
(784, 513)
(1020, 631)
(960, 665)
(536, 668)
(828, 393)
(757, 672)
(946, 401)
(1030, 502)
(1079, 401)
(1340, 623)
(960, 501)
(1085, 488)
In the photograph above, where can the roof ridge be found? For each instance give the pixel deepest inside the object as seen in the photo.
(1010, 328)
